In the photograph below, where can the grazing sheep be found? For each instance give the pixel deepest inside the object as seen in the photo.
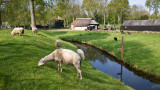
(66, 56)
(17, 31)
(129, 33)
(115, 38)
(34, 30)
(81, 53)
(58, 43)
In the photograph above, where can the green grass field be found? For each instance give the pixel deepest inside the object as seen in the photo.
(141, 51)
(19, 68)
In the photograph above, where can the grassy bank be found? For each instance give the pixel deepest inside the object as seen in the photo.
(141, 51)
(19, 69)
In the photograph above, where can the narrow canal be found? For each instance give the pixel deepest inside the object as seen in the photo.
(106, 64)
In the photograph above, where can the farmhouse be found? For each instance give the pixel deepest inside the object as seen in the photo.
(141, 25)
(84, 24)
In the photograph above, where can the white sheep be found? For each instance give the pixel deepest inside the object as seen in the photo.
(66, 56)
(18, 31)
(34, 30)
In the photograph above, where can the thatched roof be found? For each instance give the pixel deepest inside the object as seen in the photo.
(93, 22)
(56, 18)
(141, 23)
(84, 22)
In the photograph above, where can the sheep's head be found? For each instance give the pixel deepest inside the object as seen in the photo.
(41, 62)
(12, 33)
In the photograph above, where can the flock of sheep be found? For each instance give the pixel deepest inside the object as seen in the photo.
(59, 55)
(20, 30)
(66, 56)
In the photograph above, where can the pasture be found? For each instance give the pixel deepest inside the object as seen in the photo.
(19, 57)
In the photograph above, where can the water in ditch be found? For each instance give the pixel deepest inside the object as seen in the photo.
(108, 65)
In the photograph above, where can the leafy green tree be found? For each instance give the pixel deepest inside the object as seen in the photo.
(41, 12)
(137, 12)
(121, 7)
(16, 12)
(153, 5)
(97, 9)
(103, 10)
(62, 9)
(90, 6)
(74, 8)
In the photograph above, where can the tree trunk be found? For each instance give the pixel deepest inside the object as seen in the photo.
(104, 19)
(44, 23)
(0, 20)
(114, 23)
(64, 23)
(33, 22)
(118, 19)
(1, 16)
(149, 13)
(50, 18)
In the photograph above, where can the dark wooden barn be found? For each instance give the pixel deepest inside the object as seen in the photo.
(141, 25)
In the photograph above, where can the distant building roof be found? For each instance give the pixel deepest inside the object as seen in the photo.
(141, 23)
(56, 18)
(93, 22)
(83, 22)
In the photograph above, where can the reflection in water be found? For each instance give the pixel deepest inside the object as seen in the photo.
(106, 64)
(93, 54)
(120, 74)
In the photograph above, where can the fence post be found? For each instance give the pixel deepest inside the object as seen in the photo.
(122, 50)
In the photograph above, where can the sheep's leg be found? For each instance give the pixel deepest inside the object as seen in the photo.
(19, 33)
(79, 72)
(60, 67)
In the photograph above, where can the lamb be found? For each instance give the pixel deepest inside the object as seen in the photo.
(34, 30)
(66, 56)
(17, 31)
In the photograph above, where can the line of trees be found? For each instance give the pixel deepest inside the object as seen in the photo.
(17, 12)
